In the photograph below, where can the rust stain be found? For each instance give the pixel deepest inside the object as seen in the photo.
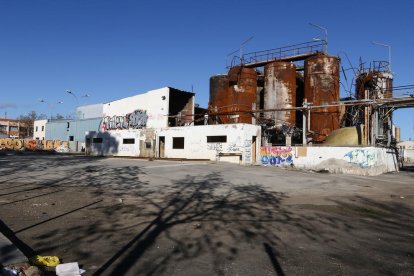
(322, 87)
(280, 92)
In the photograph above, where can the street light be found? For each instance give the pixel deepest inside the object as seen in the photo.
(51, 106)
(326, 35)
(227, 57)
(389, 52)
(241, 47)
(74, 95)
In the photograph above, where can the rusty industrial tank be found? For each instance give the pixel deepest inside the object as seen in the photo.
(374, 85)
(321, 88)
(371, 85)
(280, 92)
(300, 92)
(243, 90)
(260, 92)
(220, 98)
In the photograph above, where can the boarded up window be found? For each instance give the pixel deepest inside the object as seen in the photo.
(178, 142)
(217, 139)
(128, 141)
(97, 140)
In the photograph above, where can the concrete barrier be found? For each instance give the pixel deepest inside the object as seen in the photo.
(348, 160)
(32, 145)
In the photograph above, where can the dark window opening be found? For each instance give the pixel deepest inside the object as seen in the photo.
(217, 139)
(148, 145)
(180, 109)
(43, 128)
(97, 140)
(36, 128)
(178, 142)
(71, 138)
(128, 141)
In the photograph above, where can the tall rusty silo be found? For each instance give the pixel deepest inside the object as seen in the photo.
(322, 88)
(220, 98)
(375, 84)
(243, 89)
(260, 92)
(300, 92)
(280, 92)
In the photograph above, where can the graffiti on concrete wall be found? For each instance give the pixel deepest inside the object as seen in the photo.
(233, 147)
(276, 156)
(135, 120)
(248, 151)
(33, 145)
(361, 157)
(215, 146)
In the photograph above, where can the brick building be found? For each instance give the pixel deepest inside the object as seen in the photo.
(13, 128)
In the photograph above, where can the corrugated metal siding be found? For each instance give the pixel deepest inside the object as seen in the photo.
(58, 130)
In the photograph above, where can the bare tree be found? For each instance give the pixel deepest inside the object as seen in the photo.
(27, 121)
(58, 117)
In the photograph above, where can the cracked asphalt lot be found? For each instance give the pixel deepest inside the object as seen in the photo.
(136, 217)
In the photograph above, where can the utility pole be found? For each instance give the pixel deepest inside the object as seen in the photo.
(326, 35)
(389, 52)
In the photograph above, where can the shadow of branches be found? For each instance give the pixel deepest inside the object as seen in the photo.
(126, 220)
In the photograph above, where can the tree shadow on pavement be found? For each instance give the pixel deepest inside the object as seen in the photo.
(198, 224)
(213, 215)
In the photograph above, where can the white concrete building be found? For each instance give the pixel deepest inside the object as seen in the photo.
(39, 129)
(407, 151)
(153, 109)
(237, 143)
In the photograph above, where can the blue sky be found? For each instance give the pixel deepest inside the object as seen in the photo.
(113, 49)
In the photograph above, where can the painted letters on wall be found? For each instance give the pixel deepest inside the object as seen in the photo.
(276, 156)
(362, 157)
(33, 145)
(135, 120)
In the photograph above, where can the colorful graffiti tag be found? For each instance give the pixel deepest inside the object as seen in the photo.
(362, 157)
(135, 120)
(33, 145)
(276, 156)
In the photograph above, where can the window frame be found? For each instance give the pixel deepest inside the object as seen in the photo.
(128, 141)
(97, 140)
(178, 142)
(216, 138)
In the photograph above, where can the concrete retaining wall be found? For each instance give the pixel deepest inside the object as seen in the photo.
(352, 160)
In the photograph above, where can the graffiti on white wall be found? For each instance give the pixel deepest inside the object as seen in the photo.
(135, 120)
(361, 157)
(247, 151)
(215, 146)
(276, 156)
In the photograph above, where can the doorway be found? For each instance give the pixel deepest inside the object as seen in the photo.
(161, 144)
(254, 149)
